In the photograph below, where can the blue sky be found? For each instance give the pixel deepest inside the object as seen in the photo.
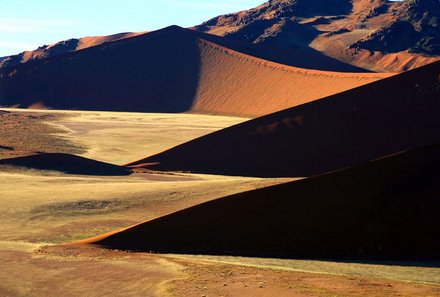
(27, 24)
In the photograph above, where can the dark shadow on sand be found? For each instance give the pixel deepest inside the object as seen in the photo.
(66, 163)
(154, 72)
(382, 210)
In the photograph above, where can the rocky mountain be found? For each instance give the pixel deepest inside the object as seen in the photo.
(415, 28)
(380, 35)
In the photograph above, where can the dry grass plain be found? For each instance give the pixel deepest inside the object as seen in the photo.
(39, 210)
(114, 137)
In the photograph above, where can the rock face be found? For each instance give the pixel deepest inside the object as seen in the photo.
(396, 37)
(361, 32)
(416, 28)
(274, 18)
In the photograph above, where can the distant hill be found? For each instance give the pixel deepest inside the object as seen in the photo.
(384, 117)
(60, 48)
(379, 35)
(385, 209)
(174, 70)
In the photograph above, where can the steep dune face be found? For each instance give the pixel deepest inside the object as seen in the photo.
(358, 125)
(171, 70)
(297, 57)
(384, 209)
(60, 48)
(235, 83)
(345, 30)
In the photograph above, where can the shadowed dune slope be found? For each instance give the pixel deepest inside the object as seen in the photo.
(153, 72)
(170, 70)
(362, 124)
(66, 163)
(387, 208)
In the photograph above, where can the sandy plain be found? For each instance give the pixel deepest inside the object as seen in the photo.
(40, 210)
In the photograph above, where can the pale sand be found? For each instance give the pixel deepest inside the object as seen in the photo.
(122, 137)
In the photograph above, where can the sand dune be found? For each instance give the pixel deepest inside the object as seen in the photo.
(385, 209)
(297, 57)
(170, 70)
(66, 163)
(254, 87)
(309, 59)
(350, 128)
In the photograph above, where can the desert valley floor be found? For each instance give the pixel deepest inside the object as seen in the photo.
(42, 210)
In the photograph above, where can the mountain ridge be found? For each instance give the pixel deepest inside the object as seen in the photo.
(62, 47)
(363, 33)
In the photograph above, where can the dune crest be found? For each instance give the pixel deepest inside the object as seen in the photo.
(171, 70)
(385, 117)
(384, 209)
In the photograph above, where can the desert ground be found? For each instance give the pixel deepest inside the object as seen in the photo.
(42, 211)
(290, 149)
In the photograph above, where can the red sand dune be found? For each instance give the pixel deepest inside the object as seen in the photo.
(302, 58)
(391, 115)
(385, 209)
(66, 163)
(171, 70)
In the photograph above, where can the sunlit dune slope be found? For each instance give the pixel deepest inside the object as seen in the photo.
(170, 70)
(386, 209)
(353, 127)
